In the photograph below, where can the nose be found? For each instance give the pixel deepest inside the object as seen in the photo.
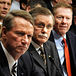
(64, 20)
(5, 6)
(25, 40)
(44, 29)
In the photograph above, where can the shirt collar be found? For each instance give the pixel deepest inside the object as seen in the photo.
(36, 45)
(57, 36)
(10, 59)
(0, 23)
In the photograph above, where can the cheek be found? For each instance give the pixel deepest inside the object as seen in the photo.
(37, 32)
(12, 39)
(49, 32)
(28, 44)
(70, 23)
(57, 21)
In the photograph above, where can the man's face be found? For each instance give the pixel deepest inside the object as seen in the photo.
(4, 7)
(42, 28)
(19, 37)
(63, 20)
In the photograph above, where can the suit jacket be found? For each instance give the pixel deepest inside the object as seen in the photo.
(4, 67)
(71, 40)
(52, 69)
(25, 65)
(49, 6)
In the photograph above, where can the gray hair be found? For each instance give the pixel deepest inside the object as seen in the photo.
(41, 11)
(8, 20)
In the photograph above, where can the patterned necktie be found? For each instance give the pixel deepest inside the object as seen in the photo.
(42, 54)
(67, 58)
(14, 70)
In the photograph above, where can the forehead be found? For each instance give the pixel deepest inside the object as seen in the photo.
(21, 22)
(63, 0)
(8, 1)
(62, 10)
(44, 18)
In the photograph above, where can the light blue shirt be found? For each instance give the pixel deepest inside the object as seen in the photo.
(60, 48)
(15, 5)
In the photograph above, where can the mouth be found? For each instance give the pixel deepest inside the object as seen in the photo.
(4, 12)
(63, 27)
(43, 36)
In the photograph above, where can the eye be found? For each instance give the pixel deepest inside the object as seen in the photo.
(9, 4)
(49, 26)
(2, 2)
(40, 25)
(29, 36)
(68, 18)
(59, 17)
(19, 33)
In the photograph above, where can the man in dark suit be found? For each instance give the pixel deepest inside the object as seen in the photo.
(51, 3)
(15, 40)
(28, 5)
(63, 20)
(43, 58)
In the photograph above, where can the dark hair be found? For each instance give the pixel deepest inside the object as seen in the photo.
(23, 1)
(34, 3)
(8, 20)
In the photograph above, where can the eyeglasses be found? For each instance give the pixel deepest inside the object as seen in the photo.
(42, 25)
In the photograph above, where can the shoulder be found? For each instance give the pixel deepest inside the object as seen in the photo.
(71, 34)
(71, 37)
(25, 64)
(26, 57)
(50, 44)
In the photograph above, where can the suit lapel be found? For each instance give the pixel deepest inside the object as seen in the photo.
(4, 63)
(47, 59)
(37, 57)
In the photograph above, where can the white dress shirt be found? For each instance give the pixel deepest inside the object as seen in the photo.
(37, 47)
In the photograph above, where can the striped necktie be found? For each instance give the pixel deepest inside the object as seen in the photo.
(14, 70)
(43, 55)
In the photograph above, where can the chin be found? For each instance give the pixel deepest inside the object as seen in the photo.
(21, 51)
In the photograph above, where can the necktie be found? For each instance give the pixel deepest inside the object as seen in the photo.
(67, 58)
(14, 70)
(43, 55)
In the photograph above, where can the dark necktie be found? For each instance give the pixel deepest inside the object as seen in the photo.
(43, 55)
(67, 57)
(14, 70)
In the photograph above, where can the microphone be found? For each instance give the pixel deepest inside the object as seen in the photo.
(52, 60)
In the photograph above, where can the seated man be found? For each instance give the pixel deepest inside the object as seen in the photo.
(15, 42)
(42, 50)
(63, 38)
(30, 4)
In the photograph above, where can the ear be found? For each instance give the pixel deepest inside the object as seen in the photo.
(23, 6)
(57, 1)
(4, 31)
(28, 8)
